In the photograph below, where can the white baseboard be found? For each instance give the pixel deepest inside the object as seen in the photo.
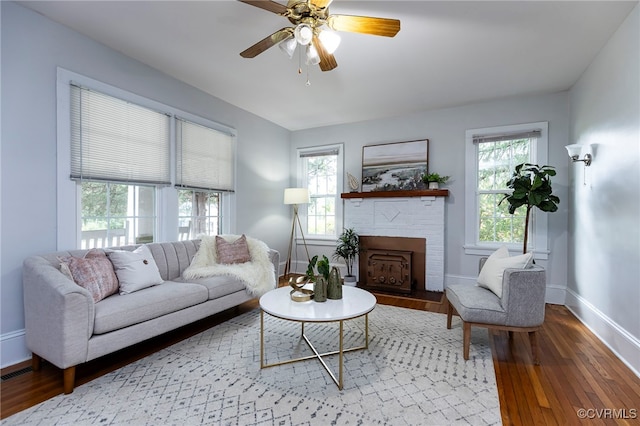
(624, 345)
(13, 348)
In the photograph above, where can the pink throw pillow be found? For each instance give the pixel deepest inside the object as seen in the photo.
(94, 272)
(235, 252)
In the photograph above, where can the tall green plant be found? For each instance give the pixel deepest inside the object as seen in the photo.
(531, 186)
(348, 248)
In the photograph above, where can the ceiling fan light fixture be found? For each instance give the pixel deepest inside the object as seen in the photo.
(330, 40)
(303, 34)
(312, 55)
(288, 46)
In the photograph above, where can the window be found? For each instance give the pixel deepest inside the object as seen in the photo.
(199, 213)
(321, 172)
(115, 214)
(117, 146)
(204, 169)
(496, 161)
(138, 172)
(491, 157)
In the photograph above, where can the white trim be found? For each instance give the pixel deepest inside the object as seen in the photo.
(539, 155)
(14, 348)
(621, 342)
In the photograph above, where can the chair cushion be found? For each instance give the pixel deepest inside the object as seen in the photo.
(476, 304)
(119, 311)
(490, 276)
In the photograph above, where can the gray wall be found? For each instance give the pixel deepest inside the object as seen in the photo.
(445, 130)
(32, 48)
(604, 244)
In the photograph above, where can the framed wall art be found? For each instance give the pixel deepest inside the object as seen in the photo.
(394, 166)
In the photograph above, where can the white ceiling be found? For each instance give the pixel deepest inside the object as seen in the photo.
(447, 53)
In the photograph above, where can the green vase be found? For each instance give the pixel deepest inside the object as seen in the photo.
(320, 289)
(334, 287)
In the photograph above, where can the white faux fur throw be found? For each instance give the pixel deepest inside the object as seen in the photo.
(257, 275)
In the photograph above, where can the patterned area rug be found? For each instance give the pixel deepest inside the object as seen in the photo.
(412, 374)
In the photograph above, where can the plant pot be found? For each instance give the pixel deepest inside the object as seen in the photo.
(350, 280)
(434, 185)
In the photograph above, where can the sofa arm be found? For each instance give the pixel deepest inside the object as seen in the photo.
(523, 296)
(59, 314)
(274, 257)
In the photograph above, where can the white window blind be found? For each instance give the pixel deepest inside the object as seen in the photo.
(115, 140)
(204, 157)
(529, 134)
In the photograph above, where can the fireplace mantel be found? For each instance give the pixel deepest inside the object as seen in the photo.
(390, 194)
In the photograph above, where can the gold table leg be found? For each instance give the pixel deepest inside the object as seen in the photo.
(340, 352)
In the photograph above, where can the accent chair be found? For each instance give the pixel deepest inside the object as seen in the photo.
(520, 306)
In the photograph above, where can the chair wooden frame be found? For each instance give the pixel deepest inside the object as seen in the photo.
(466, 333)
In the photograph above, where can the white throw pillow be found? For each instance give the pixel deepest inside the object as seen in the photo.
(490, 276)
(135, 269)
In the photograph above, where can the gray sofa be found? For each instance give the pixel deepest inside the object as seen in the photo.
(66, 327)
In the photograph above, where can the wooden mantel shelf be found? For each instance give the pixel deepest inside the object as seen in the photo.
(390, 194)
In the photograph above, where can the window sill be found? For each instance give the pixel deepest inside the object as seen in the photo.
(514, 250)
(317, 241)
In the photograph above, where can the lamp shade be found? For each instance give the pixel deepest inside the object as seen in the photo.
(330, 40)
(312, 55)
(574, 150)
(288, 46)
(303, 34)
(296, 196)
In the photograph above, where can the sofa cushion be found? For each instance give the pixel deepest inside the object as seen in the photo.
(135, 269)
(476, 304)
(93, 272)
(217, 286)
(119, 311)
(232, 252)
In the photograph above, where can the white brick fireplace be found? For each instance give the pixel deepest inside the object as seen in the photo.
(420, 214)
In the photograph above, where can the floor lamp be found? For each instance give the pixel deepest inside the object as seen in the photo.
(295, 196)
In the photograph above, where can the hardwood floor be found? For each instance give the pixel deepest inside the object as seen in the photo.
(577, 371)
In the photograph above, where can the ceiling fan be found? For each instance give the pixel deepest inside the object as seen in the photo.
(312, 29)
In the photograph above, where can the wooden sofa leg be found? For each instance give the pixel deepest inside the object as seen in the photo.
(36, 362)
(449, 314)
(69, 379)
(466, 337)
(535, 349)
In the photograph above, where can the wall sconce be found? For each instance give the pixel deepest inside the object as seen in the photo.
(575, 150)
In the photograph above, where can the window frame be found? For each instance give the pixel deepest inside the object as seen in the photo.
(302, 182)
(539, 222)
(69, 192)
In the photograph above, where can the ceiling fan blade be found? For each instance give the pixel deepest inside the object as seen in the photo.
(267, 42)
(364, 24)
(327, 60)
(268, 5)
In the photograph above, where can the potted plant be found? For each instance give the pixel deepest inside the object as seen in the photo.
(531, 186)
(348, 248)
(433, 180)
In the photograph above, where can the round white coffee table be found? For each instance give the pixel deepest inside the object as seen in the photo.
(355, 303)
